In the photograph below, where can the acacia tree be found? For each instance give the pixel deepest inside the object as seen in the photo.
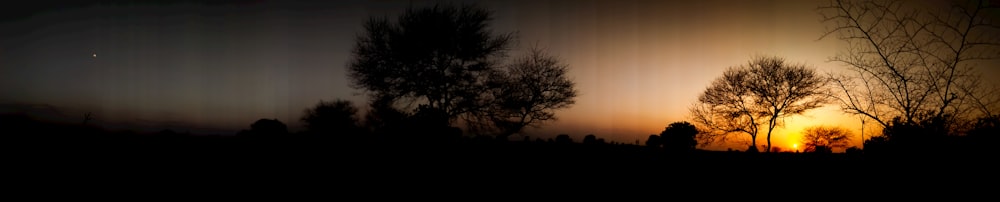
(527, 93)
(762, 92)
(914, 61)
(824, 139)
(438, 57)
(446, 60)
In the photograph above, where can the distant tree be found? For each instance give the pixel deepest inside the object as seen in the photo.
(527, 92)
(821, 139)
(438, 56)
(654, 141)
(776, 149)
(915, 61)
(266, 128)
(763, 92)
(563, 139)
(679, 136)
(590, 139)
(336, 117)
(985, 133)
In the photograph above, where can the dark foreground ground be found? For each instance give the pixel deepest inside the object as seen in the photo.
(330, 170)
(41, 158)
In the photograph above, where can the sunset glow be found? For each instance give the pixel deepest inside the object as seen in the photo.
(638, 65)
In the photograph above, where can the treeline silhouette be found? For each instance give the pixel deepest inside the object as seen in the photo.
(436, 68)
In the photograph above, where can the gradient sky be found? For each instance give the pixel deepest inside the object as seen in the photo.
(638, 64)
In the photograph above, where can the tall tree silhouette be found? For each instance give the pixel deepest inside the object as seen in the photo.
(438, 56)
(764, 91)
(823, 139)
(339, 116)
(915, 61)
(528, 92)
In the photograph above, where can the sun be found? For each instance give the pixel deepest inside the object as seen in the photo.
(796, 146)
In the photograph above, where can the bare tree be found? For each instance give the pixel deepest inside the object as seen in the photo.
(914, 61)
(824, 139)
(763, 92)
(527, 93)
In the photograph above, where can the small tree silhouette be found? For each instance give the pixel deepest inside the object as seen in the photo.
(266, 128)
(824, 139)
(679, 136)
(334, 117)
(563, 139)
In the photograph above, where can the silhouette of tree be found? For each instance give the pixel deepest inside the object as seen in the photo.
(653, 141)
(915, 61)
(527, 92)
(339, 116)
(823, 139)
(266, 128)
(590, 139)
(764, 91)
(383, 119)
(902, 137)
(986, 130)
(679, 136)
(433, 124)
(438, 56)
(563, 139)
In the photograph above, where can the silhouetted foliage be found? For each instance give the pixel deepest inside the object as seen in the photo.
(439, 56)
(679, 136)
(563, 139)
(853, 151)
(328, 118)
(432, 125)
(821, 139)
(764, 91)
(266, 128)
(985, 133)
(590, 139)
(653, 141)
(527, 92)
(915, 62)
(446, 58)
(903, 137)
(383, 119)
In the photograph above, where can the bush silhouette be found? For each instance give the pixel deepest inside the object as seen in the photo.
(679, 137)
(265, 128)
(330, 118)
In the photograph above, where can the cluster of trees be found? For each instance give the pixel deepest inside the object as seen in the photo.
(446, 63)
(911, 68)
(432, 69)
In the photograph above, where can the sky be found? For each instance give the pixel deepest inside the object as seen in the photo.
(219, 66)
